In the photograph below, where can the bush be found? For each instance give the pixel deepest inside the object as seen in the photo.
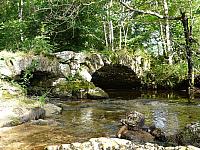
(166, 76)
(39, 44)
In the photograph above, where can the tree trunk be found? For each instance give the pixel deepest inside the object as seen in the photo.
(120, 27)
(188, 34)
(111, 36)
(105, 33)
(167, 32)
(125, 37)
(21, 5)
(162, 36)
(120, 36)
(111, 32)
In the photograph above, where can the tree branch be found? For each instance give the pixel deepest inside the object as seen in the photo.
(149, 12)
(88, 4)
(142, 11)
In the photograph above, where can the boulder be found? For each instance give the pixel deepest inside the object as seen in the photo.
(97, 93)
(83, 72)
(34, 114)
(11, 116)
(16, 115)
(52, 110)
(71, 88)
(14, 107)
(12, 64)
(64, 56)
(8, 89)
(194, 128)
(190, 135)
(104, 143)
(136, 136)
(67, 56)
(134, 120)
(65, 69)
(96, 61)
(60, 88)
(134, 129)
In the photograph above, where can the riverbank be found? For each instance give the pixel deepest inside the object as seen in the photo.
(83, 120)
(32, 137)
(34, 123)
(104, 143)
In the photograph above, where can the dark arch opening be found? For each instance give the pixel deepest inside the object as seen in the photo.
(116, 77)
(37, 82)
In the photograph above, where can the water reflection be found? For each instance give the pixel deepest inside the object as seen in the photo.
(159, 118)
(86, 116)
(165, 120)
(102, 117)
(173, 123)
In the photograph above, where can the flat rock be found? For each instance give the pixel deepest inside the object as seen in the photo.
(104, 143)
(52, 109)
(97, 93)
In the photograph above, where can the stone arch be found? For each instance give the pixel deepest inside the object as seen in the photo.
(116, 76)
(37, 82)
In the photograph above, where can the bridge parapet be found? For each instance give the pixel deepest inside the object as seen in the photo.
(88, 63)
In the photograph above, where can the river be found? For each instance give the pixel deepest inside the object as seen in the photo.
(84, 119)
(168, 111)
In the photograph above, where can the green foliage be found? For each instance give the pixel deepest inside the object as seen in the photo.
(43, 98)
(110, 55)
(38, 45)
(28, 74)
(72, 78)
(75, 83)
(165, 75)
(10, 34)
(75, 86)
(107, 53)
(58, 25)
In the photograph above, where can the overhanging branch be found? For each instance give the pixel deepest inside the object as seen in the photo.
(149, 12)
(142, 11)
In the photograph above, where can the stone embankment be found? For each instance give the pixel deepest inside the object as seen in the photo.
(104, 143)
(17, 111)
(64, 63)
(52, 73)
(16, 108)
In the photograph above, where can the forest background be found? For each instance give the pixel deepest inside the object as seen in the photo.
(155, 27)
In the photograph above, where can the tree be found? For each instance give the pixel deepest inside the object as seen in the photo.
(187, 32)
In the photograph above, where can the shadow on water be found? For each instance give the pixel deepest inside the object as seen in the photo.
(150, 94)
(169, 111)
(85, 119)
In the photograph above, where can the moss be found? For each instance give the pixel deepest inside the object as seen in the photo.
(72, 86)
(75, 86)
(27, 101)
(7, 95)
(15, 121)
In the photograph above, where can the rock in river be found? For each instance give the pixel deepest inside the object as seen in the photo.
(97, 93)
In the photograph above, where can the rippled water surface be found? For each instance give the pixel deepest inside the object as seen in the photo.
(84, 119)
(92, 118)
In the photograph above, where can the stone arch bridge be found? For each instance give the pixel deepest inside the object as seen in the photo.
(108, 72)
(67, 63)
(86, 64)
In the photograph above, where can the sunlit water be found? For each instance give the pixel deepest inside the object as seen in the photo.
(85, 119)
(92, 118)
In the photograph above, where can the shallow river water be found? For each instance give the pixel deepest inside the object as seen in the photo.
(84, 119)
(167, 111)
